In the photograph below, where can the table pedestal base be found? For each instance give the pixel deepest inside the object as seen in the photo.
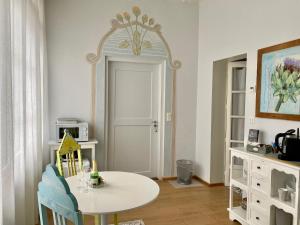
(103, 219)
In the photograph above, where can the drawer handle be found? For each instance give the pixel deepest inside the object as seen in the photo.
(258, 167)
(258, 201)
(258, 184)
(257, 218)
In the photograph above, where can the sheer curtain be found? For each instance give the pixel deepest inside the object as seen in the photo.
(22, 108)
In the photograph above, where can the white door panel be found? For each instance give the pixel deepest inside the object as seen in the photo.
(133, 148)
(133, 94)
(133, 106)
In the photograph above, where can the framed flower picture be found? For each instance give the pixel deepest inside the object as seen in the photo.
(278, 81)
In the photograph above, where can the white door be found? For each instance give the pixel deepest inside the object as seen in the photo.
(235, 111)
(133, 134)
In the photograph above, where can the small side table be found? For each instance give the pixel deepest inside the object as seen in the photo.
(91, 144)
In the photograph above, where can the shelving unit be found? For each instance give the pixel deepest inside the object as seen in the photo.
(276, 213)
(238, 179)
(283, 205)
(259, 177)
(241, 213)
(240, 182)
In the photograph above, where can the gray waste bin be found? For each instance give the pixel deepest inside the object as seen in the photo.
(184, 171)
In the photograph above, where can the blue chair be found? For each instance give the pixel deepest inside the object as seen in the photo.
(54, 193)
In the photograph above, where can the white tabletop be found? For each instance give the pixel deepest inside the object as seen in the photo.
(122, 191)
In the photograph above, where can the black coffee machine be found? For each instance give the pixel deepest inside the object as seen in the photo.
(290, 145)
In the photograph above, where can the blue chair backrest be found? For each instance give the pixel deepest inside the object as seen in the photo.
(54, 193)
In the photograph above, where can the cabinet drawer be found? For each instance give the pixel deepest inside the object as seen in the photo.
(259, 184)
(258, 218)
(259, 200)
(260, 167)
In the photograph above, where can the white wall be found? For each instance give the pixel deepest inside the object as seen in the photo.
(75, 27)
(233, 27)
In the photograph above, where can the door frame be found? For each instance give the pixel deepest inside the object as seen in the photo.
(161, 63)
(230, 66)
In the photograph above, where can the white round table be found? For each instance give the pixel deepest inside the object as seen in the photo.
(121, 191)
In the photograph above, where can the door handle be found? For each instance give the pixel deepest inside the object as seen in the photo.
(155, 125)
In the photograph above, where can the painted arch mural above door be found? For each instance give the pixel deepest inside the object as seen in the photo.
(136, 38)
(130, 36)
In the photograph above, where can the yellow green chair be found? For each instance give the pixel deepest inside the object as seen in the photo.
(67, 148)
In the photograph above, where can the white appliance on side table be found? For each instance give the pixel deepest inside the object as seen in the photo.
(78, 130)
(260, 180)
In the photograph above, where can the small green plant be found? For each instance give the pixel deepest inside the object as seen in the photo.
(286, 81)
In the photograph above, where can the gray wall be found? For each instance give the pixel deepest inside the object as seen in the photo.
(218, 121)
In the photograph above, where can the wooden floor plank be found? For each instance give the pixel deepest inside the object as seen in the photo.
(185, 206)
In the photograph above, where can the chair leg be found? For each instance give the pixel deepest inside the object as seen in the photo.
(97, 220)
(43, 214)
(84, 219)
(116, 222)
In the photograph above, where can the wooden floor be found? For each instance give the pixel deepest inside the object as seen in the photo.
(188, 206)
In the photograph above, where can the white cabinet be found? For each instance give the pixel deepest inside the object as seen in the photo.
(255, 183)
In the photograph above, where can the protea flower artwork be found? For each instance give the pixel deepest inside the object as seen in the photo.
(285, 81)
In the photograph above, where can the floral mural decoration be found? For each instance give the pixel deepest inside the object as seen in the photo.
(137, 28)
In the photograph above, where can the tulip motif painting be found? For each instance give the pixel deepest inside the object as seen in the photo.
(136, 29)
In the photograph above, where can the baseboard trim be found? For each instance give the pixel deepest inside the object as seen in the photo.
(169, 178)
(196, 178)
(216, 185)
(206, 183)
(201, 181)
